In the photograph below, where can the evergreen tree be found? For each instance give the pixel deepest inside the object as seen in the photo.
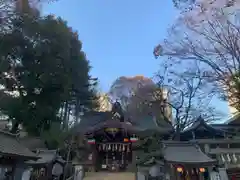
(43, 64)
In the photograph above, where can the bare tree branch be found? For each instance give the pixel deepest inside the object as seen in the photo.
(215, 46)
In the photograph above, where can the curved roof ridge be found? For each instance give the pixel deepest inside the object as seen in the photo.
(186, 153)
(46, 151)
(174, 143)
(198, 123)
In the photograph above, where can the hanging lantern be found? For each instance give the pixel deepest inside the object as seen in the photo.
(202, 170)
(179, 169)
(109, 147)
(125, 140)
(91, 141)
(133, 139)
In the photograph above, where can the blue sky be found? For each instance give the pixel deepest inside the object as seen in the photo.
(119, 36)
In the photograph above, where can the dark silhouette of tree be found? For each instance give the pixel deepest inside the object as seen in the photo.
(44, 68)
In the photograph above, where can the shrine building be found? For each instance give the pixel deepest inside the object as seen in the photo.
(109, 141)
(112, 139)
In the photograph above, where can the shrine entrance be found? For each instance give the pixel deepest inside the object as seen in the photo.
(111, 141)
(114, 156)
(110, 176)
(113, 149)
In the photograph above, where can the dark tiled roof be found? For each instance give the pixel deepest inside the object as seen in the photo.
(200, 123)
(45, 157)
(234, 120)
(115, 124)
(10, 146)
(90, 119)
(225, 151)
(97, 120)
(150, 124)
(3, 124)
(32, 143)
(149, 162)
(185, 153)
(149, 158)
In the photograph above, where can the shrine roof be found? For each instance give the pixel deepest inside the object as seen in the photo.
(10, 146)
(45, 157)
(149, 123)
(177, 152)
(94, 121)
(114, 124)
(91, 119)
(201, 124)
(32, 143)
(224, 151)
(149, 162)
(234, 120)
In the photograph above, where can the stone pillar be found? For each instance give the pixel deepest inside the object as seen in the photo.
(94, 158)
(132, 166)
(18, 171)
(78, 172)
(223, 173)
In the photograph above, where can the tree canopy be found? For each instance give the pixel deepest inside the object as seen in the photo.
(44, 73)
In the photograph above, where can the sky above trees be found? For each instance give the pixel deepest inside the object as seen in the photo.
(119, 36)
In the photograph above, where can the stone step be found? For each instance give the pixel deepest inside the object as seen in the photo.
(110, 176)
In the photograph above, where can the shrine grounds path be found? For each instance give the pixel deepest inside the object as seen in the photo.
(110, 176)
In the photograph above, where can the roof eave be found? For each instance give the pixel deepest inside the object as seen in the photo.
(25, 157)
(195, 164)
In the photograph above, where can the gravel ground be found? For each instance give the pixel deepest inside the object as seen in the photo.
(110, 176)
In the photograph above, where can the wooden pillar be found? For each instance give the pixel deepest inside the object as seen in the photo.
(132, 165)
(95, 158)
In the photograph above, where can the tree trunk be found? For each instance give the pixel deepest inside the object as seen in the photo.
(14, 128)
(61, 111)
(177, 133)
(65, 114)
(68, 117)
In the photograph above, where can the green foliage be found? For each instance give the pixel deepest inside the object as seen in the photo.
(41, 60)
(54, 137)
